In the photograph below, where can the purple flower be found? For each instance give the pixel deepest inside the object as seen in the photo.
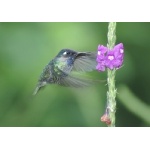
(101, 57)
(114, 58)
(110, 58)
(101, 66)
(102, 49)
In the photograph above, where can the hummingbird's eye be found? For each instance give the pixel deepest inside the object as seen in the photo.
(66, 53)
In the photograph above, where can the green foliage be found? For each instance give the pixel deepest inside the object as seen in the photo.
(25, 48)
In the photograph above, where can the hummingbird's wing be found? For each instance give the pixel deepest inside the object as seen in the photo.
(85, 62)
(73, 80)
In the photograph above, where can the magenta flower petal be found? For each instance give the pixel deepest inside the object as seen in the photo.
(102, 49)
(101, 57)
(100, 67)
(119, 46)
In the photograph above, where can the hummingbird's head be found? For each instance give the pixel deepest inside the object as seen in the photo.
(67, 56)
(67, 53)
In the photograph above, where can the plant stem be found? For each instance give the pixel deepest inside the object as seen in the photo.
(111, 93)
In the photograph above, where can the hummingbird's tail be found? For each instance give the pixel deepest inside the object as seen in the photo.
(38, 87)
(36, 90)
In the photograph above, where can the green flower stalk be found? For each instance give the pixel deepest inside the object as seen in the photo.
(111, 93)
(111, 35)
(110, 57)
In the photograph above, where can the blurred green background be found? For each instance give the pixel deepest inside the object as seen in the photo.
(25, 48)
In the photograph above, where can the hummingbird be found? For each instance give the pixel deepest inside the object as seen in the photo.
(61, 69)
